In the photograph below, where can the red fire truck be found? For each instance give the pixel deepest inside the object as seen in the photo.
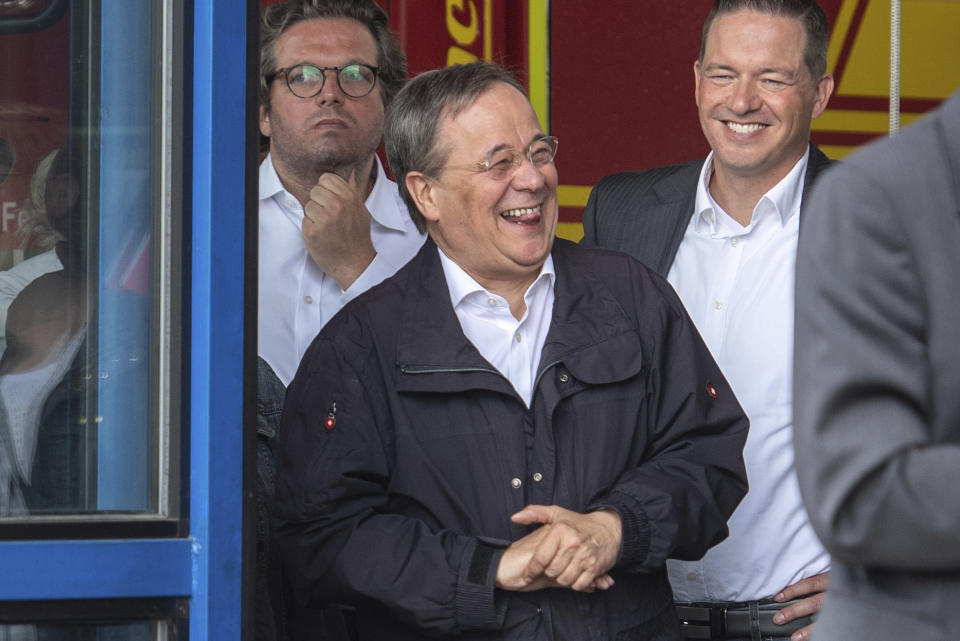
(612, 79)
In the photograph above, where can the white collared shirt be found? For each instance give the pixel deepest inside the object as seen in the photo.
(737, 284)
(296, 297)
(512, 346)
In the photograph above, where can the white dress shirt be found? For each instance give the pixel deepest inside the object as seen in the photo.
(512, 346)
(296, 297)
(737, 285)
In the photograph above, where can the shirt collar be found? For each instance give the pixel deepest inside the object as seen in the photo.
(784, 197)
(379, 203)
(462, 285)
(270, 184)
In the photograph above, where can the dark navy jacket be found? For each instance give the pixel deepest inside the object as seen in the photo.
(403, 454)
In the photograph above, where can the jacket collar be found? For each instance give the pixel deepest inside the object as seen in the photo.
(589, 332)
(430, 337)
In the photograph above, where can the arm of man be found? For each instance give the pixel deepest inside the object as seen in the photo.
(338, 538)
(876, 479)
(674, 499)
(677, 501)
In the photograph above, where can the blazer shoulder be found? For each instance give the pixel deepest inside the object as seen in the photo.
(643, 213)
(678, 179)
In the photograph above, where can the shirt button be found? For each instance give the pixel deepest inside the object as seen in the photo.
(308, 300)
(517, 337)
(516, 483)
(692, 576)
(538, 477)
(491, 302)
(734, 242)
(717, 304)
(564, 378)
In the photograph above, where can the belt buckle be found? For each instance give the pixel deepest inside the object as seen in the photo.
(701, 622)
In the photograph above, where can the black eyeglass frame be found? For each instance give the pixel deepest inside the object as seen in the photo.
(285, 71)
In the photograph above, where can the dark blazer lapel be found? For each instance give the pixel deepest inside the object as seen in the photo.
(815, 165)
(668, 220)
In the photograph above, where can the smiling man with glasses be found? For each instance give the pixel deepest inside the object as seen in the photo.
(506, 439)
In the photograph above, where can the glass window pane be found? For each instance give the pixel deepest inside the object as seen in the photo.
(143, 631)
(85, 290)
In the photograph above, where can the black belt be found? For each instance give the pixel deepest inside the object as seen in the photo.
(749, 620)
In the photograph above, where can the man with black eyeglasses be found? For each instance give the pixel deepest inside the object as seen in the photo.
(331, 223)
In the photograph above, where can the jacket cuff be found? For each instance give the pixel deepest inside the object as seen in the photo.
(635, 528)
(477, 607)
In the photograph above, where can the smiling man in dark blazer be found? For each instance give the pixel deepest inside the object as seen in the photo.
(724, 231)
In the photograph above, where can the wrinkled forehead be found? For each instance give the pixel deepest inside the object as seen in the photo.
(500, 115)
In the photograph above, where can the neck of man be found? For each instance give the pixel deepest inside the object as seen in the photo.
(300, 180)
(738, 194)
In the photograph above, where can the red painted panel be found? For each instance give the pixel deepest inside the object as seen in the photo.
(434, 33)
(34, 104)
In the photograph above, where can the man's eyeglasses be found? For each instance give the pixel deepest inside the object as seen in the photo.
(306, 81)
(501, 164)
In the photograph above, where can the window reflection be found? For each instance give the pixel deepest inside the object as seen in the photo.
(87, 632)
(43, 427)
(80, 333)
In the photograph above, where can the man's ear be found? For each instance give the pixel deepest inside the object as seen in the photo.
(423, 194)
(264, 121)
(823, 91)
(696, 82)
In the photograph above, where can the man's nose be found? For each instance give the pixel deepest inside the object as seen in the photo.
(331, 88)
(745, 97)
(528, 176)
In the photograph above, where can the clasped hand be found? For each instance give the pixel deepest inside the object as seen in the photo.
(569, 550)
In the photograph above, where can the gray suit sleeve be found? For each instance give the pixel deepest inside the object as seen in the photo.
(880, 490)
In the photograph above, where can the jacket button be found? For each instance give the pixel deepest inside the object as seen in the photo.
(538, 477)
(516, 483)
(564, 378)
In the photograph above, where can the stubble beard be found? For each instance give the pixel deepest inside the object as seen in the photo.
(305, 158)
(310, 163)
